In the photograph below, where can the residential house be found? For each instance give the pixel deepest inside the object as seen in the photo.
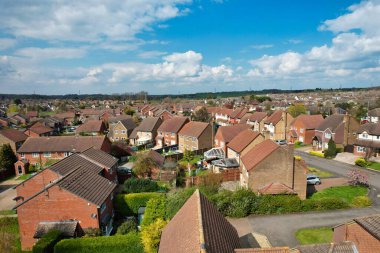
(38, 130)
(242, 143)
(269, 168)
(205, 229)
(167, 133)
(195, 136)
(256, 120)
(374, 115)
(74, 192)
(38, 150)
(67, 117)
(13, 137)
(338, 127)
(122, 129)
(146, 132)
(303, 127)
(364, 232)
(91, 127)
(4, 122)
(223, 116)
(340, 247)
(32, 115)
(368, 139)
(276, 125)
(225, 134)
(17, 119)
(237, 115)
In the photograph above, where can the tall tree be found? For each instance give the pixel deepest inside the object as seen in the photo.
(144, 165)
(201, 115)
(296, 110)
(7, 157)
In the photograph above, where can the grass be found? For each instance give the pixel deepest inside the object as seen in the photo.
(374, 166)
(314, 235)
(45, 114)
(9, 235)
(345, 192)
(7, 212)
(196, 159)
(320, 173)
(24, 177)
(300, 145)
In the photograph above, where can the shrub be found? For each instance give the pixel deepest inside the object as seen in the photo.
(331, 150)
(315, 153)
(298, 158)
(176, 200)
(47, 242)
(361, 162)
(358, 178)
(136, 185)
(209, 184)
(130, 243)
(151, 235)
(328, 203)
(129, 204)
(155, 209)
(127, 227)
(361, 201)
(276, 204)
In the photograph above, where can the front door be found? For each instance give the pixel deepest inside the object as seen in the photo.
(19, 168)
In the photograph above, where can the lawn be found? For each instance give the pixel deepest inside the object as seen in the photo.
(9, 235)
(345, 192)
(7, 212)
(300, 145)
(320, 173)
(314, 235)
(374, 166)
(24, 177)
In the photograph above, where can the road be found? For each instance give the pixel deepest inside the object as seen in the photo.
(338, 168)
(281, 229)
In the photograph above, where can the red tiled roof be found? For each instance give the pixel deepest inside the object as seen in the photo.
(194, 128)
(40, 129)
(173, 125)
(310, 121)
(276, 189)
(258, 154)
(258, 116)
(242, 140)
(229, 132)
(274, 118)
(91, 126)
(13, 135)
(264, 250)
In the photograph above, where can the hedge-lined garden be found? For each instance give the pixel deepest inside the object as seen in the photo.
(130, 243)
(128, 204)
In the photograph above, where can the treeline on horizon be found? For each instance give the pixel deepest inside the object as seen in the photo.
(145, 95)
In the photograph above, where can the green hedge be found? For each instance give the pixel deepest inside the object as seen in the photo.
(136, 185)
(47, 242)
(361, 162)
(315, 153)
(130, 243)
(128, 204)
(155, 209)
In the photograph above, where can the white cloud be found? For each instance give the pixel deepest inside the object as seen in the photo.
(261, 46)
(295, 41)
(6, 43)
(151, 54)
(35, 53)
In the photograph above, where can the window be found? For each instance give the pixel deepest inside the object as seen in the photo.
(116, 131)
(66, 154)
(327, 135)
(103, 207)
(194, 139)
(173, 134)
(378, 137)
(111, 196)
(301, 130)
(34, 154)
(222, 143)
(194, 148)
(22, 155)
(123, 131)
(365, 135)
(117, 138)
(47, 154)
(361, 149)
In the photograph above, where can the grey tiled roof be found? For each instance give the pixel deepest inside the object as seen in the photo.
(100, 157)
(371, 224)
(341, 247)
(65, 166)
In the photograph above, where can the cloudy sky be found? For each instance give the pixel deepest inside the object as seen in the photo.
(187, 46)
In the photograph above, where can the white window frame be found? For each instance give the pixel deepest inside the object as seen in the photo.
(35, 155)
(47, 154)
(103, 207)
(123, 131)
(22, 155)
(360, 149)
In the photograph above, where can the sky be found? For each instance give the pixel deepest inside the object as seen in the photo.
(187, 46)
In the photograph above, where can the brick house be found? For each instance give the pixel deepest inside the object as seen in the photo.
(368, 137)
(374, 115)
(195, 136)
(237, 115)
(340, 128)
(256, 120)
(122, 129)
(146, 132)
(68, 118)
(269, 168)
(91, 127)
(167, 133)
(303, 127)
(242, 143)
(225, 134)
(223, 116)
(73, 189)
(38, 150)
(13, 137)
(38, 129)
(276, 125)
(364, 232)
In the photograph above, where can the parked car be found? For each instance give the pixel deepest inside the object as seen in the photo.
(281, 142)
(313, 180)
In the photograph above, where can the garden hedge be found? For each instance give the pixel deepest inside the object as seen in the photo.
(130, 243)
(315, 153)
(136, 185)
(129, 204)
(47, 242)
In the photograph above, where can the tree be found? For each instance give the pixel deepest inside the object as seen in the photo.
(331, 149)
(127, 227)
(151, 235)
(129, 111)
(188, 155)
(201, 115)
(361, 112)
(17, 101)
(7, 157)
(144, 165)
(358, 177)
(12, 108)
(296, 110)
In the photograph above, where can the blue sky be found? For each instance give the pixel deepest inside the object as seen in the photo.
(184, 46)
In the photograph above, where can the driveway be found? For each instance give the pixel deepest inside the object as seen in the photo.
(7, 193)
(280, 229)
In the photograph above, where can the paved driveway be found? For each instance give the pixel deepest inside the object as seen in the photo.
(280, 229)
(7, 194)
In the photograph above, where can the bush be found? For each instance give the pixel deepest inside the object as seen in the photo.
(136, 185)
(129, 204)
(298, 158)
(175, 200)
(47, 242)
(331, 150)
(328, 203)
(315, 153)
(361, 162)
(151, 235)
(127, 227)
(130, 243)
(155, 209)
(276, 204)
(361, 201)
